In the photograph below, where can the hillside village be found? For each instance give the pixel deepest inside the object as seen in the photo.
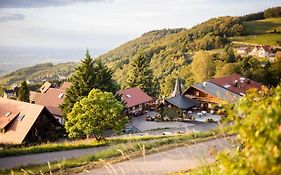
(183, 87)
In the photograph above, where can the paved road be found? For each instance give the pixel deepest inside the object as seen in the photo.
(41, 158)
(182, 158)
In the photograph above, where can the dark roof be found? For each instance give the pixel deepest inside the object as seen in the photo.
(9, 91)
(134, 96)
(236, 83)
(182, 102)
(216, 91)
(177, 90)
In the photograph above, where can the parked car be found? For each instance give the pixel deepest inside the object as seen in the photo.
(166, 133)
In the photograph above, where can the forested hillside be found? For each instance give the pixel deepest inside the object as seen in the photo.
(38, 73)
(171, 54)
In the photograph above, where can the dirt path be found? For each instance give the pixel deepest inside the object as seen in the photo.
(182, 158)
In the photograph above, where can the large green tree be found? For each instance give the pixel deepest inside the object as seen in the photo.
(202, 66)
(23, 93)
(94, 113)
(88, 75)
(140, 75)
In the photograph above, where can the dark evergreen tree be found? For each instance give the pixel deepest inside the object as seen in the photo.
(88, 75)
(23, 93)
(1, 91)
(140, 75)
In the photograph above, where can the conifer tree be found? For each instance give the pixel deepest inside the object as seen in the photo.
(23, 93)
(141, 76)
(88, 75)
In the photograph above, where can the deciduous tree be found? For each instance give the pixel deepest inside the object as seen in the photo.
(202, 66)
(94, 113)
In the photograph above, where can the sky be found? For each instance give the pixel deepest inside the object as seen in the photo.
(61, 30)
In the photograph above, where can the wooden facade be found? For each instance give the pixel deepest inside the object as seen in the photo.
(206, 100)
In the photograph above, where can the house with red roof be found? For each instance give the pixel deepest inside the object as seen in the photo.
(52, 98)
(135, 99)
(22, 122)
(228, 88)
(236, 83)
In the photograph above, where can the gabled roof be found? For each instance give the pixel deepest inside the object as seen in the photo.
(216, 91)
(134, 96)
(236, 83)
(182, 102)
(19, 122)
(51, 98)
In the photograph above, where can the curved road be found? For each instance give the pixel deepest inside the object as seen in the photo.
(182, 158)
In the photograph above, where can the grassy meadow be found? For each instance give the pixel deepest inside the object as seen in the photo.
(262, 32)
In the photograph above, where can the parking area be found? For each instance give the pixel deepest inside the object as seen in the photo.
(142, 125)
(204, 116)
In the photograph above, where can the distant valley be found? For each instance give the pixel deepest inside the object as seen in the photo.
(168, 51)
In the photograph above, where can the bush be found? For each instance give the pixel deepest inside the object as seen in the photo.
(257, 121)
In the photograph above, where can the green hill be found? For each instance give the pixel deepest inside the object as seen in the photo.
(171, 54)
(38, 73)
(263, 32)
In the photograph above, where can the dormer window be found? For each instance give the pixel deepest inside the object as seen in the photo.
(226, 86)
(21, 117)
(8, 114)
(61, 95)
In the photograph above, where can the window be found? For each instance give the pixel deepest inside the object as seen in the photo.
(8, 114)
(226, 86)
(61, 95)
(197, 93)
(21, 117)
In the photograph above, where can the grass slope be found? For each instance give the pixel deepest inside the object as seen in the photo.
(261, 32)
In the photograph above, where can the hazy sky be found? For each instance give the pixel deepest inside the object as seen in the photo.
(65, 28)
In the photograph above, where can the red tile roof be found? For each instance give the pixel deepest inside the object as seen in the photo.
(51, 98)
(134, 96)
(65, 86)
(236, 83)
